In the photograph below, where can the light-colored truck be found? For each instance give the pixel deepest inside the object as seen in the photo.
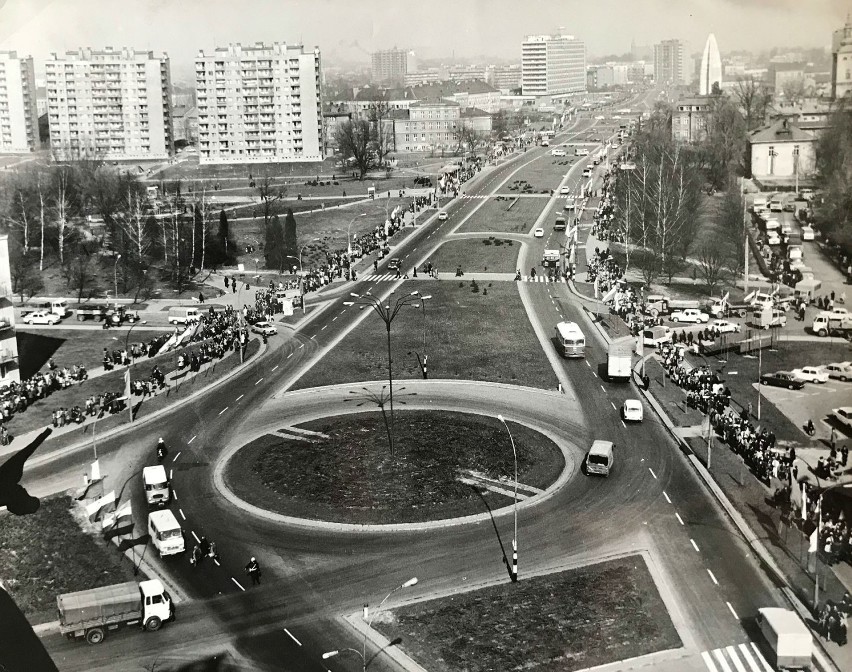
(619, 361)
(658, 304)
(766, 317)
(789, 640)
(157, 487)
(92, 613)
(825, 324)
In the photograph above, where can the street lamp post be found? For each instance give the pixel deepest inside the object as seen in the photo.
(515, 539)
(115, 277)
(302, 280)
(387, 313)
(423, 300)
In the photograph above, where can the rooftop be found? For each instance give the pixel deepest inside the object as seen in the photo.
(782, 130)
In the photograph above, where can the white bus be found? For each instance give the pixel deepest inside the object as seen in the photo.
(572, 342)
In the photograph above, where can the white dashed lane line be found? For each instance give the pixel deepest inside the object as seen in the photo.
(679, 519)
(171, 474)
(240, 397)
(667, 497)
(290, 355)
(292, 637)
(712, 577)
(275, 367)
(324, 327)
(174, 494)
(694, 545)
(652, 473)
(174, 459)
(238, 584)
(258, 382)
(224, 409)
(301, 346)
(732, 610)
(180, 511)
(197, 540)
(191, 440)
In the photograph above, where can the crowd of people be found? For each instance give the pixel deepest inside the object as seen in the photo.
(604, 270)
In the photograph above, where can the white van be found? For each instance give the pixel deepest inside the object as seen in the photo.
(600, 457)
(183, 314)
(789, 639)
(157, 490)
(794, 252)
(759, 202)
(165, 533)
(581, 151)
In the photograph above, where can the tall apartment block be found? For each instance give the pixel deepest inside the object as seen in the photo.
(552, 65)
(259, 103)
(389, 66)
(18, 109)
(115, 104)
(669, 66)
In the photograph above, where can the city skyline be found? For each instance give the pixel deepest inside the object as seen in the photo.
(492, 29)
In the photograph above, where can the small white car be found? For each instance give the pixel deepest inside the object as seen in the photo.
(835, 313)
(545, 143)
(565, 191)
(539, 233)
(690, 315)
(442, 215)
(772, 224)
(264, 327)
(811, 374)
(808, 233)
(631, 410)
(772, 238)
(725, 327)
(41, 317)
(844, 415)
(839, 370)
(557, 152)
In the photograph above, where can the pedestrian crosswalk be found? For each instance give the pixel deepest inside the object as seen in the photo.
(393, 277)
(736, 658)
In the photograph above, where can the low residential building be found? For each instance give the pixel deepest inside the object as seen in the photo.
(426, 76)
(782, 75)
(425, 126)
(331, 121)
(479, 120)
(475, 93)
(506, 78)
(18, 105)
(690, 117)
(780, 153)
(9, 366)
(185, 122)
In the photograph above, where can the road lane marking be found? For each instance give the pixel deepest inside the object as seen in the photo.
(275, 367)
(731, 609)
(613, 406)
(708, 661)
(190, 441)
(314, 336)
(174, 494)
(343, 311)
(334, 318)
(713, 577)
(722, 662)
(325, 326)
(292, 637)
(760, 657)
(290, 355)
(217, 562)
(171, 474)
(694, 545)
(667, 497)
(301, 346)
(174, 459)
(594, 374)
(680, 520)
(652, 473)
(180, 511)
(258, 382)
(240, 397)
(603, 388)
(623, 424)
(238, 584)
(735, 659)
(197, 540)
(224, 409)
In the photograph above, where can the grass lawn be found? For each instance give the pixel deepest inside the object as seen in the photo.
(493, 255)
(545, 173)
(350, 477)
(501, 216)
(191, 170)
(46, 554)
(469, 336)
(572, 620)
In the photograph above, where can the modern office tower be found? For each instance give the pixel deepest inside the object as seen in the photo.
(259, 103)
(390, 66)
(114, 104)
(18, 107)
(711, 67)
(669, 66)
(552, 65)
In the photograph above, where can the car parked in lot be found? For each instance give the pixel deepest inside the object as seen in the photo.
(631, 410)
(557, 152)
(692, 315)
(782, 379)
(442, 215)
(264, 327)
(843, 415)
(808, 233)
(811, 374)
(839, 370)
(539, 233)
(725, 327)
(41, 317)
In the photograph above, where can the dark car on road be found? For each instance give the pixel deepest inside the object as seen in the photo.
(394, 264)
(782, 379)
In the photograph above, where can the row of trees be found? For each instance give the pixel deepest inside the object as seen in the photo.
(834, 176)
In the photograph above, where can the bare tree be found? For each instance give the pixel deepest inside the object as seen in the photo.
(753, 98)
(712, 257)
(794, 90)
(379, 114)
(41, 219)
(268, 194)
(354, 140)
(80, 272)
(136, 230)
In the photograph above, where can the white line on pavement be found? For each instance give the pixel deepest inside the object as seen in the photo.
(238, 584)
(171, 474)
(722, 662)
(613, 406)
(174, 494)
(731, 609)
(694, 545)
(667, 497)
(301, 346)
(240, 397)
(290, 355)
(324, 327)
(334, 318)
(258, 382)
(708, 661)
(192, 439)
(343, 311)
(603, 388)
(623, 424)
(275, 367)
(217, 562)
(224, 409)
(174, 459)
(713, 577)
(180, 511)
(680, 520)
(652, 473)
(292, 637)
(314, 336)
(197, 540)
(587, 364)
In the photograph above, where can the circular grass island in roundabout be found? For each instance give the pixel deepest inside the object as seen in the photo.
(346, 474)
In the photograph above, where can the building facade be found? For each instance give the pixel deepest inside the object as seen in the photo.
(841, 61)
(690, 117)
(185, 124)
(9, 369)
(711, 67)
(781, 153)
(389, 66)
(505, 78)
(552, 65)
(114, 104)
(18, 104)
(425, 126)
(669, 63)
(259, 103)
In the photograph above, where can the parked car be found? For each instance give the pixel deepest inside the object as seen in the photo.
(844, 415)
(42, 317)
(725, 327)
(811, 374)
(442, 215)
(782, 379)
(539, 233)
(839, 370)
(631, 410)
(773, 238)
(690, 315)
(808, 233)
(264, 327)
(557, 152)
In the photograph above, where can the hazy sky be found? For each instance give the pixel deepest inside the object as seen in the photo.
(346, 29)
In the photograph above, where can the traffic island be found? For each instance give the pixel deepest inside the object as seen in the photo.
(340, 469)
(569, 620)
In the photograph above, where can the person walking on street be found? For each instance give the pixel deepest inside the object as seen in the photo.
(833, 439)
(253, 570)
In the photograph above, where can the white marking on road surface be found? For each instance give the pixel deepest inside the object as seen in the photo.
(623, 424)
(680, 520)
(174, 459)
(652, 473)
(708, 661)
(587, 364)
(732, 652)
(314, 336)
(760, 657)
(603, 388)
(217, 562)
(190, 441)
(171, 474)
(334, 318)
(238, 584)
(731, 609)
(174, 494)
(722, 662)
(240, 397)
(613, 406)
(197, 540)
(713, 577)
(275, 367)
(694, 545)
(180, 511)
(224, 409)
(343, 311)
(292, 637)
(301, 346)
(290, 355)
(258, 382)
(667, 497)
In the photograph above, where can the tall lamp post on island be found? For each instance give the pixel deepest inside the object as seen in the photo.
(515, 539)
(115, 277)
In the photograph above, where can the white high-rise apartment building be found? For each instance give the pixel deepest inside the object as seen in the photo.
(114, 104)
(259, 103)
(18, 109)
(669, 65)
(552, 65)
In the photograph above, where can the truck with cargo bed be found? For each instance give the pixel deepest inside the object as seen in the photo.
(91, 313)
(619, 361)
(766, 317)
(830, 325)
(658, 304)
(92, 613)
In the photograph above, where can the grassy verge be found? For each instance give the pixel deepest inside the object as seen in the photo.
(469, 336)
(572, 620)
(546, 173)
(492, 255)
(46, 554)
(351, 477)
(501, 216)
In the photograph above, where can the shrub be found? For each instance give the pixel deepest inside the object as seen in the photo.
(486, 241)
